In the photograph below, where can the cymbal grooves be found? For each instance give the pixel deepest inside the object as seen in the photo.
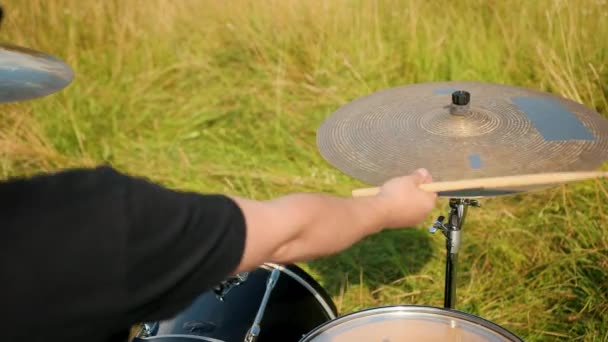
(395, 131)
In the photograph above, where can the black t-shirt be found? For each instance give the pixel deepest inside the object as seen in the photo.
(86, 253)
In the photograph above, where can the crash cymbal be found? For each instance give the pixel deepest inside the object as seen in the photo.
(26, 74)
(463, 130)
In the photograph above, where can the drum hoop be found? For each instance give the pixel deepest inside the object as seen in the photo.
(423, 309)
(310, 284)
(193, 337)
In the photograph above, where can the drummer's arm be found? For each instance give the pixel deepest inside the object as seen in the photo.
(301, 227)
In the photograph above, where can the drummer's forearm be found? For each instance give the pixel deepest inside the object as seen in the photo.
(301, 227)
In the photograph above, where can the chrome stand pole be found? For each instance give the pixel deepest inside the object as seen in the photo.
(452, 232)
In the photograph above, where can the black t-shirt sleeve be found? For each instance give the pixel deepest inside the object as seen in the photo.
(89, 252)
(179, 245)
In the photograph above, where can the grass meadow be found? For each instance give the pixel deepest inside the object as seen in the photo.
(226, 96)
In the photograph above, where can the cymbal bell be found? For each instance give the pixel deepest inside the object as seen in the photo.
(463, 130)
(26, 74)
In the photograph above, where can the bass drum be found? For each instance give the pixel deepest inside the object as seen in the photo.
(410, 323)
(295, 306)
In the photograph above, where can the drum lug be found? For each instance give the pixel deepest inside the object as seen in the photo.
(147, 329)
(225, 286)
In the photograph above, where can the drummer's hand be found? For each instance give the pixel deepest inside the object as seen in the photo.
(405, 203)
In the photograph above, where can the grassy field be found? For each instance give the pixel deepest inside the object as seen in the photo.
(227, 96)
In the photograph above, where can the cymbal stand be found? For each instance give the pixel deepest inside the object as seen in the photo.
(452, 231)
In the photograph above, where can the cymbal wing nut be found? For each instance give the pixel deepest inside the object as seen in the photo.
(460, 102)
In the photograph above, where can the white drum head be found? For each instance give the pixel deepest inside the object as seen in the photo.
(410, 323)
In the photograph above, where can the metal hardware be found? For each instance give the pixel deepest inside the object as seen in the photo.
(452, 232)
(460, 103)
(255, 329)
(225, 286)
(328, 310)
(438, 225)
(182, 337)
(146, 329)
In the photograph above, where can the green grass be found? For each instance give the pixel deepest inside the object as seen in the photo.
(226, 96)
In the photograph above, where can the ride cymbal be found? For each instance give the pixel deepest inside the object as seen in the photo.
(463, 130)
(26, 74)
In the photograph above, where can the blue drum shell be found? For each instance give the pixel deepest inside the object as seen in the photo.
(296, 306)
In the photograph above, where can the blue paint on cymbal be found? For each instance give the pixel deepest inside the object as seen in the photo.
(552, 120)
(475, 161)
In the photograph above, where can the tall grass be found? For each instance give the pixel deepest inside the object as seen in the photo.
(227, 96)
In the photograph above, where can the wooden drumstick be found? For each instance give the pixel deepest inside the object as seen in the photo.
(497, 182)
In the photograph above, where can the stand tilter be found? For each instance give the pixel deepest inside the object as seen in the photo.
(452, 231)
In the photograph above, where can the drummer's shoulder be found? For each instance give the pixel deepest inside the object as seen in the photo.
(102, 169)
(62, 174)
(67, 183)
